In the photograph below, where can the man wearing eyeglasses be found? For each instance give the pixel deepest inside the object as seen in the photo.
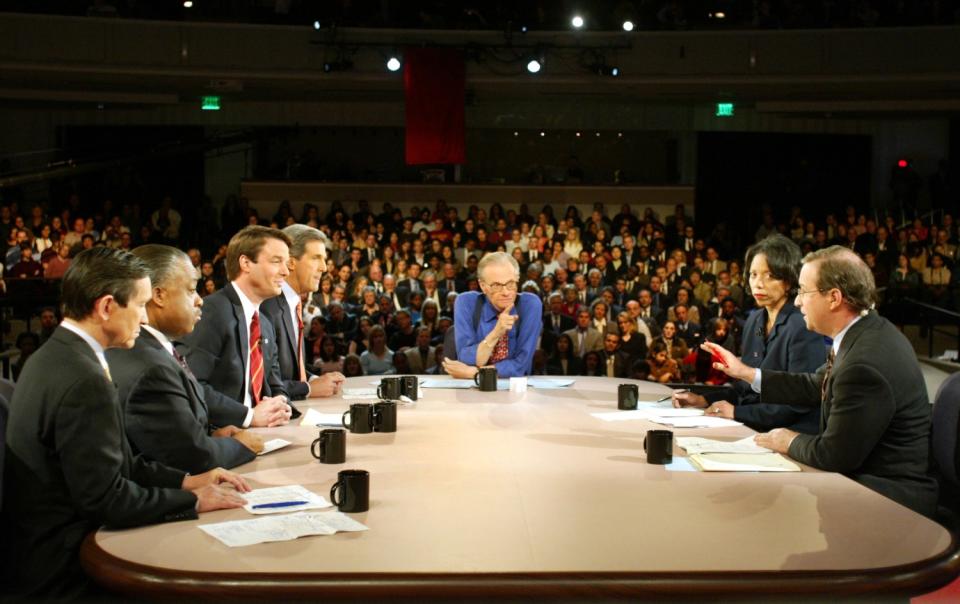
(875, 420)
(498, 327)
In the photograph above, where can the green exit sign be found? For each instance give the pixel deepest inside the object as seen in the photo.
(210, 103)
(724, 109)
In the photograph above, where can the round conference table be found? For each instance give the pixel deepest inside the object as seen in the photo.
(500, 494)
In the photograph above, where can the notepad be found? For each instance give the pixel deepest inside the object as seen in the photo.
(239, 533)
(696, 444)
(273, 495)
(272, 445)
(704, 421)
(314, 418)
(743, 462)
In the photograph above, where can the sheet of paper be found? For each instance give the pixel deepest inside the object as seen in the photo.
(451, 383)
(622, 416)
(314, 418)
(239, 533)
(695, 422)
(272, 445)
(283, 494)
(361, 397)
(696, 444)
(548, 383)
(646, 413)
(359, 391)
(680, 464)
(743, 462)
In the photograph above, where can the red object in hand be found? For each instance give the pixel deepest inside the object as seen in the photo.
(716, 357)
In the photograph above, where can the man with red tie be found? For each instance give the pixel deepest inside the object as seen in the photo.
(306, 266)
(232, 351)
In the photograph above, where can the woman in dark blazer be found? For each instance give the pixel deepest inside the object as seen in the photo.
(563, 361)
(775, 337)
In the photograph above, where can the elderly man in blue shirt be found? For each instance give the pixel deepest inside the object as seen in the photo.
(498, 327)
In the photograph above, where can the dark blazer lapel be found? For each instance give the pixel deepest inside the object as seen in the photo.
(195, 389)
(849, 340)
(287, 327)
(75, 342)
(240, 320)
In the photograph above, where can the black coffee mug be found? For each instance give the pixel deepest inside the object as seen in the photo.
(332, 444)
(486, 379)
(389, 388)
(627, 395)
(409, 387)
(385, 416)
(361, 418)
(353, 486)
(658, 445)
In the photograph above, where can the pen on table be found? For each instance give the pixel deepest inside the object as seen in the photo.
(670, 396)
(279, 504)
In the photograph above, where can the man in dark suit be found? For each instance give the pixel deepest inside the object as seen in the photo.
(307, 264)
(875, 416)
(164, 409)
(554, 322)
(687, 329)
(69, 468)
(613, 361)
(450, 282)
(241, 381)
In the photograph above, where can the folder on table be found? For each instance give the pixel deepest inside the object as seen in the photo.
(743, 462)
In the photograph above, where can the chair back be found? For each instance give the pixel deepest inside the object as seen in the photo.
(4, 413)
(946, 421)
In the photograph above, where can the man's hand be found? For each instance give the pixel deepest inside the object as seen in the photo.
(225, 432)
(685, 398)
(213, 497)
(250, 440)
(729, 364)
(459, 369)
(505, 321)
(778, 439)
(326, 385)
(720, 409)
(270, 412)
(214, 477)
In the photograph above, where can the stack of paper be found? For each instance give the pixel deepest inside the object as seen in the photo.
(314, 418)
(743, 462)
(703, 421)
(280, 528)
(275, 500)
(272, 445)
(549, 383)
(695, 444)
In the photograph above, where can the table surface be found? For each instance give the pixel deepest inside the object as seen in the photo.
(524, 493)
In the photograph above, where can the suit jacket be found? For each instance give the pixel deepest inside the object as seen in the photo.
(621, 363)
(875, 417)
(69, 470)
(166, 416)
(217, 351)
(566, 324)
(555, 366)
(594, 340)
(278, 311)
(416, 363)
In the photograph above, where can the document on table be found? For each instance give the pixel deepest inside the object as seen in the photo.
(743, 462)
(648, 414)
(239, 533)
(314, 418)
(458, 384)
(695, 444)
(272, 445)
(704, 421)
(272, 496)
(359, 393)
(549, 383)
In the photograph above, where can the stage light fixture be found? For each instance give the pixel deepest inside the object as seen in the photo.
(393, 64)
(628, 25)
(577, 22)
(516, 133)
(534, 66)
(188, 4)
(578, 135)
(542, 133)
(316, 25)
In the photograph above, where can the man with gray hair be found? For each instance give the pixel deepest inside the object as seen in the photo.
(485, 324)
(307, 263)
(875, 420)
(167, 418)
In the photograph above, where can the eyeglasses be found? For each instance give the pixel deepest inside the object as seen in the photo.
(510, 286)
(801, 293)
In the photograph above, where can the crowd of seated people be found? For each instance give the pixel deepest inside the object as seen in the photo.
(393, 278)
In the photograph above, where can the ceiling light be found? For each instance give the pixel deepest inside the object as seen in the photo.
(316, 25)
(533, 66)
(188, 4)
(577, 21)
(393, 64)
(628, 26)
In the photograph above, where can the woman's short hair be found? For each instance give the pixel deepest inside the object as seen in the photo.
(783, 259)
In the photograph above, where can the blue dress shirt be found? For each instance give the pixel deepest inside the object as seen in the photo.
(522, 341)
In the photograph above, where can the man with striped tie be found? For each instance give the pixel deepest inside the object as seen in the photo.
(306, 266)
(232, 351)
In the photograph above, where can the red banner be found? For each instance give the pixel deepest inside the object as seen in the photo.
(433, 84)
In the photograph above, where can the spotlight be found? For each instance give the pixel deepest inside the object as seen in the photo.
(523, 29)
(578, 135)
(598, 134)
(628, 26)
(606, 70)
(516, 133)
(393, 64)
(187, 4)
(576, 22)
(720, 15)
(533, 66)
(542, 133)
(316, 25)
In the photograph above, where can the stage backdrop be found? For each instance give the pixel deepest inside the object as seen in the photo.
(433, 83)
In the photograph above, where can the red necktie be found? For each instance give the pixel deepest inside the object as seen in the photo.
(303, 369)
(500, 349)
(256, 359)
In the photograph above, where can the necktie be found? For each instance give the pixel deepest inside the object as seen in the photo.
(556, 323)
(610, 372)
(581, 344)
(182, 362)
(826, 375)
(256, 359)
(500, 349)
(303, 369)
